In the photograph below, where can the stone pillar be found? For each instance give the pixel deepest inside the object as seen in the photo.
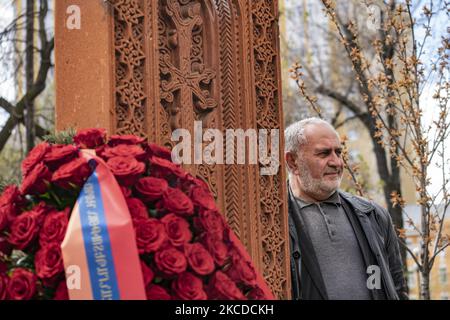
(84, 64)
(148, 67)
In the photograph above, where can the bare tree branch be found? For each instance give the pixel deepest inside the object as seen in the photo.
(36, 89)
(416, 260)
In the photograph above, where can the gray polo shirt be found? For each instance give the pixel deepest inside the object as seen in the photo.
(336, 246)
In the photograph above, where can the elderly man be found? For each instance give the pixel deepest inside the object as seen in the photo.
(342, 246)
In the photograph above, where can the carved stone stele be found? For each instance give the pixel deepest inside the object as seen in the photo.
(150, 67)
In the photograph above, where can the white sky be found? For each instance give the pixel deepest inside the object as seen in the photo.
(6, 87)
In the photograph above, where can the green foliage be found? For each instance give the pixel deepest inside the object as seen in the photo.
(153, 213)
(59, 198)
(157, 280)
(61, 137)
(20, 259)
(4, 182)
(10, 160)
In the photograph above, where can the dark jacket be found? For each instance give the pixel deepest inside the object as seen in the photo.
(378, 242)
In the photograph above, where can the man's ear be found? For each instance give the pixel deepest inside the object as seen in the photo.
(291, 162)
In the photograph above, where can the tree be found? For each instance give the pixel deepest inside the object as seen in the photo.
(23, 111)
(391, 77)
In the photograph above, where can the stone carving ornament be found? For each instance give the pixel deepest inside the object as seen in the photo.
(215, 61)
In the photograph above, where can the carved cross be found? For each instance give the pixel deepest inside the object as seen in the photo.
(188, 77)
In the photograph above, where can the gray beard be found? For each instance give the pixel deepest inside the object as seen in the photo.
(318, 186)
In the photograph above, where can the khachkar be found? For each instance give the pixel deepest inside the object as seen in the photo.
(150, 67)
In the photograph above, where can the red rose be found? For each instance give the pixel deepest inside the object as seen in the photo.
(36, 182)
(40, 208)
(162, 168)
(90, 138)
(157, 151)
(99, 150)
(151, 188)
(3, 286)
(241, 270)
(5, 246)
(155, 292)
(61, 292)
(35, 156)
(54, 227)
(22, 285)
(174, 200)
(126, 169)
(3, 267)
(60, 154)
(5, 213)
(48, 261)
(212, 222)
(11, 201)
(150, 235)
(200, 183)
(147, 273)
(216, 247)
(223, 288)
(125, 139)
(202, 198)
(188, 287)
(188, 182)
(199, 259)
(137, 208)
(177, 229)
(170, 261)
(124, 150)
(73, 173)
(25, 228)
(125, 191)
(11, 196)
(257, 294)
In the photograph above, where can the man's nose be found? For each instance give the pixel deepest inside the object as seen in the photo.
(335, 160)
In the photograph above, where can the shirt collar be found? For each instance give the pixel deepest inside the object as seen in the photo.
(333, 199)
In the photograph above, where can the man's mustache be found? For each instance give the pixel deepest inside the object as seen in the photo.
(333, 172)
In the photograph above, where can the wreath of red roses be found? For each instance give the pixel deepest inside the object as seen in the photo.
(187, 250)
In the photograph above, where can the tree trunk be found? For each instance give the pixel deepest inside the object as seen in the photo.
(29, 74)
(425, 228)
(392, 182)
(425, 283)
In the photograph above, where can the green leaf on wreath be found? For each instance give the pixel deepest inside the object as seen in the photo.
(61, 137)
(4, 182)
(45, 196)
(153, 213)
(22, 260)
(157, 280)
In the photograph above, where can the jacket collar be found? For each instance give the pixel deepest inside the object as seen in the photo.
(358, 203)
